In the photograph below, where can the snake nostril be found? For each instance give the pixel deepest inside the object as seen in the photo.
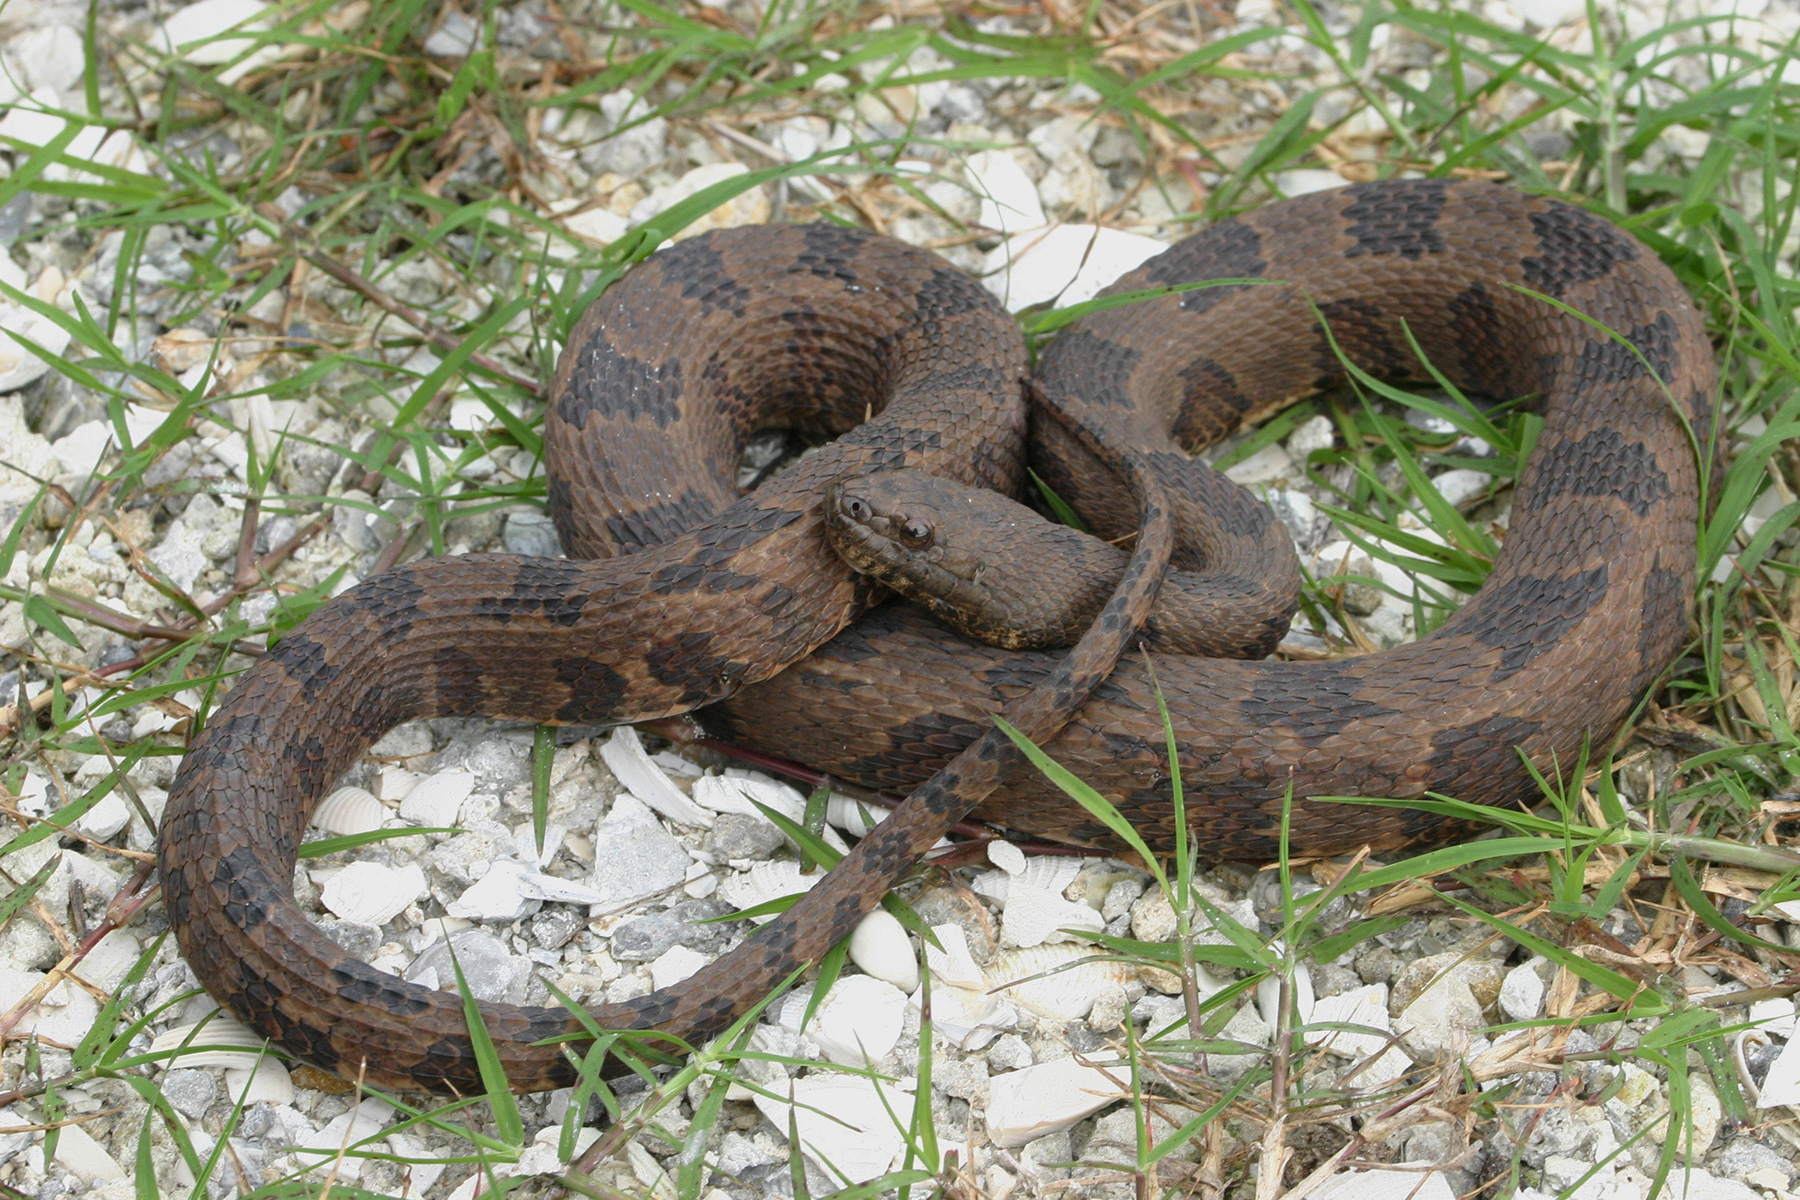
(858, 510)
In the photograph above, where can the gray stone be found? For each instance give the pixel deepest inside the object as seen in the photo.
(1330, 979)
(1745, 1155)
(1116, 148)
(1248, 1028)
(649, 938)
(1009, 1053)
(528, 531)
(947, 906)
(404, 741)
(1152, 919)
(1522, 993)
(964, 1078)
(1429, 1142)
(1438, 1003)
(1036, 1158)
(1121, 897)
(739, 1152)
(458, 856)
(1312, 434)
(1378, 964)
(202, 532)
(499, 763)
(1296, 510)
(191, 1091)
(632, 151)
(634, 855)
(1555, 1134)
(456, 37)
(554, 927)
(358, 940)
(1562, 1173)
(493, 973)
(736, 836)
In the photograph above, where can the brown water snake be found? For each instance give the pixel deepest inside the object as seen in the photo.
(1584, 608)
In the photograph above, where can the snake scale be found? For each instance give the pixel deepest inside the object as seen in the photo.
(704, 597)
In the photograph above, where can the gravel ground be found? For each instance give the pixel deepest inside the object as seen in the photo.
(644, 840)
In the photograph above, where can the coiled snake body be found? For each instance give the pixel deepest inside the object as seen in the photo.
(715, 337)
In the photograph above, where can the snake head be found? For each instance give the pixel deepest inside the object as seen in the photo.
(949, 548)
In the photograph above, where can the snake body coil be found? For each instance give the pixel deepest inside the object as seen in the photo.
(722, 334)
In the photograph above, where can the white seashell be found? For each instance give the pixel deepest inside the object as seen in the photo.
(846, 1123)
(1007, 857)
(952, 964)
(393, 783)
(676, 964)
(994, 885)
(1359, 1006)
(1052, 873)
(766, 881)
(858, 1023)
(268, 1083)
(496, 896)
(1033, 1102)
(1067, 264)
(855, 817)
(1034, 916)
(632, 766)
(971, 1019)
(1067, 995)
(219, 1030)
(436, 799)
(349, 811)
(1268, 997)
(535, 885)
(371, 894)
(879, 945)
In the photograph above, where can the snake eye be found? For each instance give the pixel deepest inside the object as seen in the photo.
(915, 534)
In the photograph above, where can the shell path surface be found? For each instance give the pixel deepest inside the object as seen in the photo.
(690, 595)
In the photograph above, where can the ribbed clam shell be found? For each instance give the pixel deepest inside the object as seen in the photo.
(349, 811)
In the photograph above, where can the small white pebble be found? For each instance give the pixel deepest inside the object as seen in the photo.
(879, 946)
(676, 964)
